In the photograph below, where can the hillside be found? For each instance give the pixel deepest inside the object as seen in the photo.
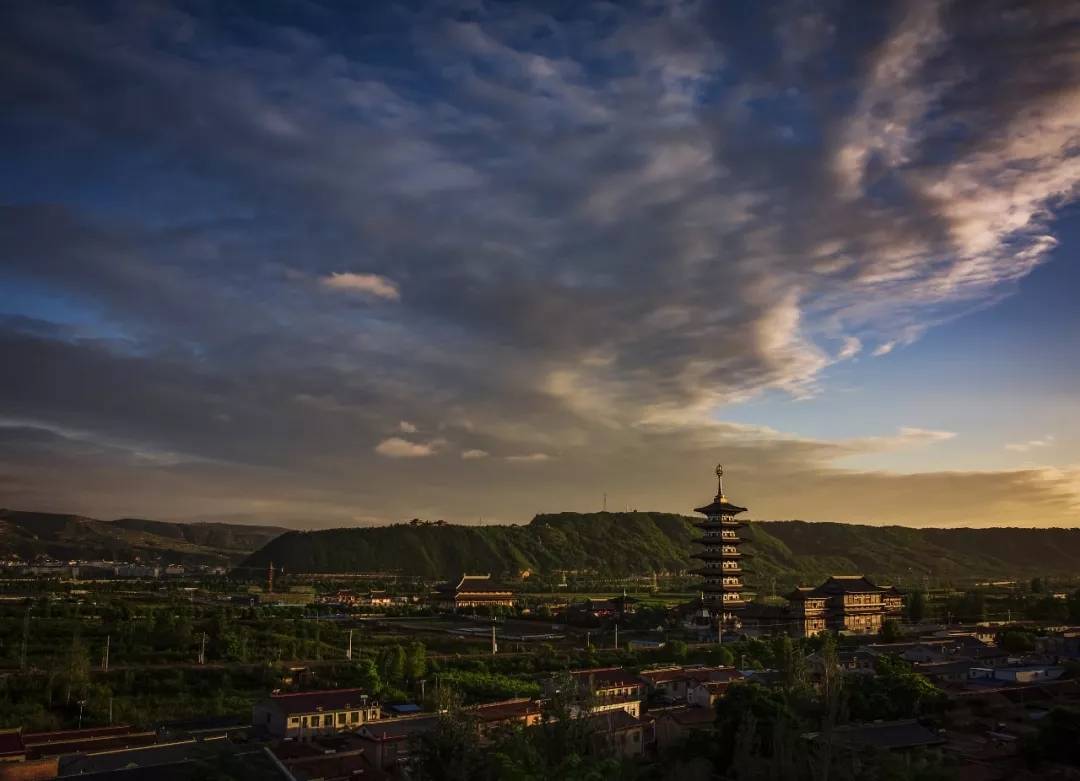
(29, 534)
(632, 543)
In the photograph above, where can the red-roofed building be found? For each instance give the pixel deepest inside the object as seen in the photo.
(306, 714)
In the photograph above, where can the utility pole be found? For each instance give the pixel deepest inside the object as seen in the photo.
(588, 642)
(494, 644)
(720, 632)
(348, 653)
(110, 710)
(82, 703)
(202, 650)
(105, 658)
(616, 637)
(605, 501)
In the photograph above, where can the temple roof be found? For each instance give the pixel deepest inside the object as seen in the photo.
(720, 506)
(836, 585)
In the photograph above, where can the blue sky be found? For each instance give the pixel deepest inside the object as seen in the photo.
(324, 264)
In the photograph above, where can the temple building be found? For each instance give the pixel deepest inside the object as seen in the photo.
(722, 570)
(473, 591)
(843, 603)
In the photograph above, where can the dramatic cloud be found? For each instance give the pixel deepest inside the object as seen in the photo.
(578, 238)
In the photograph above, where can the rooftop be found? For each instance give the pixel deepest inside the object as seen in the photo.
(324, 700)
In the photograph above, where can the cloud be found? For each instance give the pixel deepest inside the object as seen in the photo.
(370, 284)
(396, 447)
(407, 427)
(531, 458)
(1031, 444)
(474, 454)
(678, 224)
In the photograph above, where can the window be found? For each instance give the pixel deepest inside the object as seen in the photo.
(328, 720)
(341, 718)
(303, 721)
(354, 717)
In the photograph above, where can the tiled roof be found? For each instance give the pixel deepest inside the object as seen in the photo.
(326, 700)
(397, 729)
(606, 677)
(508, 709)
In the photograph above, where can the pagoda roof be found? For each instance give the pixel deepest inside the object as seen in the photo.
(715, 555)
(720, 506)
(718, 572)
(722, 587)
(730, 523)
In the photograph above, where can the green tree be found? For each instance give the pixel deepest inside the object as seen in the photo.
(416, 662)
(890, 631)
(916, 607)
(368, 675)
(1017, 642)
(76, 669)
(392, 665)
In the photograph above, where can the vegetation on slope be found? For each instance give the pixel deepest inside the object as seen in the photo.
(642, 542)
(63, 537)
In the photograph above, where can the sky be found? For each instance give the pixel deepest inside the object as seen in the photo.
(330, 264)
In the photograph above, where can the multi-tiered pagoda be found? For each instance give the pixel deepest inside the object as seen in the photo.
(722, 591)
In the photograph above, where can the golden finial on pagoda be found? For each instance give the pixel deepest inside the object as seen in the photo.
(720, 483)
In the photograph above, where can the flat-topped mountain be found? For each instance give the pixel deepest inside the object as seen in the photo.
(61, 536)
(641, 542)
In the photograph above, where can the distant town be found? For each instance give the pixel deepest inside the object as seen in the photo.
(129, 669)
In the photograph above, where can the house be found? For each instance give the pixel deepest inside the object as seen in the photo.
(1019, 674)
(492, 716)
(473, 591)
(303, 715)
(605, 689)
(671, 682)
(673, 725)
(705, 694)
(621, 733)
(389, 743)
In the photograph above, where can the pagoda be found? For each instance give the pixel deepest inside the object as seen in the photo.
(722, 591)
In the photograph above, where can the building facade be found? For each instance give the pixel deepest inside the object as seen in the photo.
(473, 591)
(721, 557)
(843, 603)
(306, 714)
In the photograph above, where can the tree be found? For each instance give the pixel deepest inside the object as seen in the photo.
(1037, 586)
(416, 662)
(890, 631)
(916, 607)
(392, 665)
(368, 675)
(76, 668)
(1017, 642)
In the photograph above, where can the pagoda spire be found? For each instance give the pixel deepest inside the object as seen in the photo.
(720, 483)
